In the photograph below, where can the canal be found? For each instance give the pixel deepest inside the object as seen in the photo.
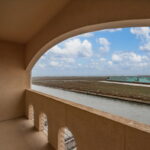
(131, 110)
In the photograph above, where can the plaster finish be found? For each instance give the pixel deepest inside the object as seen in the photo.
(12, 80)
(87, 15)
(20, 20)
(92, 129)
(19, 134)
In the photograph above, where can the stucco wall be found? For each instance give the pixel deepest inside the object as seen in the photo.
(92, 129)
(80, 16)
(12, 80)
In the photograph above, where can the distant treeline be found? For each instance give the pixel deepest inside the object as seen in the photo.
(71, 78)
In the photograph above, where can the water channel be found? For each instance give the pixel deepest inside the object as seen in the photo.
(131, 110)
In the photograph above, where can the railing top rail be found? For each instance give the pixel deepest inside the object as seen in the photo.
(118, 119)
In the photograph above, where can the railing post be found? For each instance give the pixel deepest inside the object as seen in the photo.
(36, 121)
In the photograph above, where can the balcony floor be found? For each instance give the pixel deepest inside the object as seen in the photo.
(19, 134)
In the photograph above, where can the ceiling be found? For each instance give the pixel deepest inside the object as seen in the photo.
(20, 20)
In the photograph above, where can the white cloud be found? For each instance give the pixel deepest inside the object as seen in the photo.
(102, 59)
(73, 48)
(110, 62)
(129, 58)
(75, 56)
(67, 60)
(144, 34)
(65, 55)
(141, 31)
(79, 65)
(112, 30)
(54, 63)
(41, 65)
(87, 35)
(146, 46)
(129, 63)
(116, 57)
(105, 44)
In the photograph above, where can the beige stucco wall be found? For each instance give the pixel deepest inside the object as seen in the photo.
(93, 129)
(12, 80)
(80, 16)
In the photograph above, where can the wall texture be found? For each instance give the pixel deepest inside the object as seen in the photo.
(92, 129)
(12, 80)
(80, 16)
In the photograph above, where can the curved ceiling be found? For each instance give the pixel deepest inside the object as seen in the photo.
(20, 20)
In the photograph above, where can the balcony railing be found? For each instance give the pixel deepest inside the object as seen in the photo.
(91, 129)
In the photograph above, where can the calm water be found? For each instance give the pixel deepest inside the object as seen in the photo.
(131, 110)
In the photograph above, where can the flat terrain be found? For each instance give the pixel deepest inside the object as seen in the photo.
(127, 83)
(92, 85)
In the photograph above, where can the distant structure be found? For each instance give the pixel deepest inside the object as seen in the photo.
(139, 79)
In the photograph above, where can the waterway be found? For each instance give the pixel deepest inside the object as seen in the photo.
(131, 110)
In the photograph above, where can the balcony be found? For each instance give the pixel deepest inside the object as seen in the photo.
(27, 30)
(19, 134)
(92, 129)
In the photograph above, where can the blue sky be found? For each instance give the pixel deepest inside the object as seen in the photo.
(121, 51)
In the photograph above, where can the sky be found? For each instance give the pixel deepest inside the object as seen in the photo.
(120, 51)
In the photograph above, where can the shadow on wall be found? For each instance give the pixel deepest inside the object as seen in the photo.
(43, 123)
(31, 113)
(66, 140)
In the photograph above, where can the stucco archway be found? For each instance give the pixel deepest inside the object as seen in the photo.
(90, 28)
(66, 140)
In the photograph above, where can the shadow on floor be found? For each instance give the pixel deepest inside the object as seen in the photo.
(19, 134)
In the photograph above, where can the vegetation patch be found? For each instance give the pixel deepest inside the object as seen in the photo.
(94, 86)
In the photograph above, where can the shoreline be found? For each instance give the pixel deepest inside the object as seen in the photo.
(138, 83)
(100, 94)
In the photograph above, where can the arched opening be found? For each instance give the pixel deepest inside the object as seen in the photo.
(43, 123)
(31, 113)
(97, 58)
(98, 53)
(82, 30)
(66, 140)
